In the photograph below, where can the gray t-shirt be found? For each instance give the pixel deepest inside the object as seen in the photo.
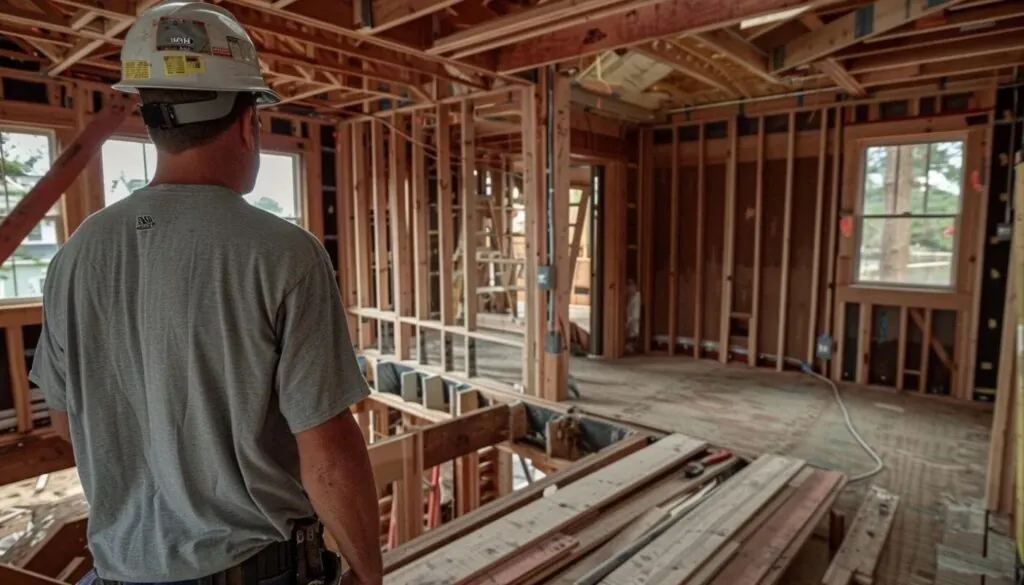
(188, 335)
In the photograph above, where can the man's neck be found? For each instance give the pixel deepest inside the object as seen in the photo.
(179, 171)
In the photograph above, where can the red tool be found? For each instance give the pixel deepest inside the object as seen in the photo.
(696, 468)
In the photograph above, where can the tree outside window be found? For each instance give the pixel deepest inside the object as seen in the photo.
(24, 158)
(911, 200)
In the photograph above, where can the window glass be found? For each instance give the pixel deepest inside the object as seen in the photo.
(910, 204)
(129, 165)
(24, 158)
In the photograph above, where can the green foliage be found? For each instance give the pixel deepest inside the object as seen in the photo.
(268, 204)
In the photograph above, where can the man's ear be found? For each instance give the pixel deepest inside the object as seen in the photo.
(247, 123)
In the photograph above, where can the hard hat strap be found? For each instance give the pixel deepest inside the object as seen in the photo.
(164, 115)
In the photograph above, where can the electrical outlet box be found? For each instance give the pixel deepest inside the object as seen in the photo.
(546, 277)
(823, 347)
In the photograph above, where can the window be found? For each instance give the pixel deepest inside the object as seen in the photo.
(911, 198)
(129, 165)
(277, 187)
(24, 158)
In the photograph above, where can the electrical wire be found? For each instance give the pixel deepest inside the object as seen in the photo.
(879, 464)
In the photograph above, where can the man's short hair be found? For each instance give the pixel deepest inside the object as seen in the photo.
(181, 138)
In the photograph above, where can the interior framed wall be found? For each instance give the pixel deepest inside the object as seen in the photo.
(748, 240)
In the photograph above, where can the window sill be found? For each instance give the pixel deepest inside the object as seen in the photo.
(935, 298)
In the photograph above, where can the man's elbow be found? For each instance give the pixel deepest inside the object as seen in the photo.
(60, 424)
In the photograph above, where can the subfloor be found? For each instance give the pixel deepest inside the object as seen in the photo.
(935, 452)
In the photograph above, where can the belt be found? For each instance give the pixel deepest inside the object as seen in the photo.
(303, 557)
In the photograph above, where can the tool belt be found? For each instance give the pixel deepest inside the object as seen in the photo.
(303, 558)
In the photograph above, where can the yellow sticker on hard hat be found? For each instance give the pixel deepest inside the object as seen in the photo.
(137, 70)
(182, 65)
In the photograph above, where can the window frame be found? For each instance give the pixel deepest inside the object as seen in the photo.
(60, 221)
(860, 216)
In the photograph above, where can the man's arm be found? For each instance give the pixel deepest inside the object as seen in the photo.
(335, 474)
(49, 363)
(318, 379)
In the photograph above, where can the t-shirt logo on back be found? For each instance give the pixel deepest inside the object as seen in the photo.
(144, 222)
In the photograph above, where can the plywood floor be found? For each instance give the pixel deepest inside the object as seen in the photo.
(935, 452)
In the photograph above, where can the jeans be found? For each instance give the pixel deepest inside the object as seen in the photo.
(92, 579)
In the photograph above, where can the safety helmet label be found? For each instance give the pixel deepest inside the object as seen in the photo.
(179, 34)
(137, 70)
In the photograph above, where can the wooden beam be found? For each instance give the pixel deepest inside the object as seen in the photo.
(952, 50)
(11, 575)
(819, 203)
(556, 366)
(698, 280)
(863, 23)
(739, 51)
(467, 467)
(755, 310)
(387, 14)
(420, 228)
(445, 233)
(48, 190)
(33, 457)
(682, 61)
(470, 227)
(648, 21)
(787, 236)
(673, 248)
(830, 66)
(400, 236)
(958, 67)
(728, 241)
(531, 190)
(952, 20)
(380, 226)
(362, 195)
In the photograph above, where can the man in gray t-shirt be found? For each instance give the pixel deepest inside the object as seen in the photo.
(195, 353)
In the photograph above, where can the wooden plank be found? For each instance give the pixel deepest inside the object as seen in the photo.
(400, 236)
(579, 226)
(362, 188)
(467, 467)
(646, 243)
(556, 366)
(621, 524)
(20, 391)
(858, 555)
(864, 341)
(804, 508)
(472, 431)
(698, 281)
(434, 539)
(529, 561)
(833, 224)
(812, 314)
(344, 219)
(470, 227)
(648, 20)
(380, 213)
(728, 244)
(445, 233)
(1002, 417)
(420, 229)
(680, 552)
(410, 490)
(468, 556)
(673, 248)
(787, 237)
(531, 189)
(11, 575)
(901, 347)
(864, 23)
(755, 311)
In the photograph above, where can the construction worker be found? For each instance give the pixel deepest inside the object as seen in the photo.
(195, 350)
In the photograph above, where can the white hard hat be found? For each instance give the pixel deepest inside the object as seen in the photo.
(191, 45)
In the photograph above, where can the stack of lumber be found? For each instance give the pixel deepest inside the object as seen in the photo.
(631, 514)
